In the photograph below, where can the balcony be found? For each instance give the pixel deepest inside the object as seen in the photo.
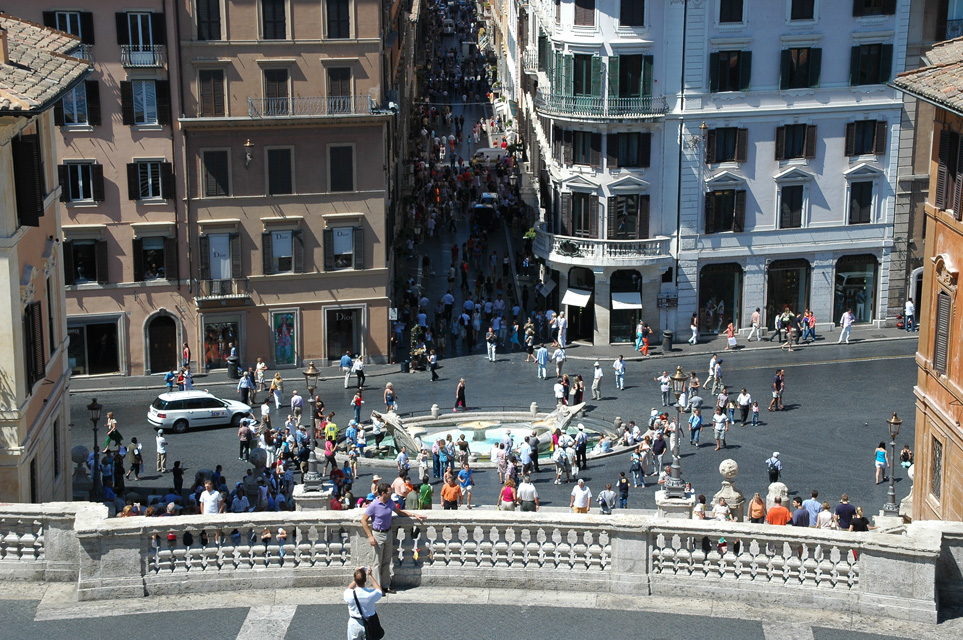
(309, 106)
(598, 108)
(954, 29)
(143, 56)
(221, 290)
(82, 51)
(530, 61)
(603, 253)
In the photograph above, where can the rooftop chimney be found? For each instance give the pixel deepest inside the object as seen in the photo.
(4, 51)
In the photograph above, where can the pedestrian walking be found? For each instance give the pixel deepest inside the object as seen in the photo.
(774, 467)
(755, 322)
(460, 400)
(778, 385)
(597, 382)
(161, 443)
(358, 368)
(277, 389)
(391, 398)
(846, 324)
(581, 499)
(433, 365)
(619, 367)
(345, 366)
(720, 425)
(245, 387)
(744, 400)
(909, 316)
(665, 386)
(491, 338)
(541, 359)
(694, 327)
(882, 463)
(559, 357)
(363, 621)
(356, 403)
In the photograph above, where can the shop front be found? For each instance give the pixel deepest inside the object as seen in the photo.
(788, 285)
(578, 306)
(720, 296)
(94, 346)
(856, 287)
(343, 331)
(285, 330)
(219, 333)
(626, 309)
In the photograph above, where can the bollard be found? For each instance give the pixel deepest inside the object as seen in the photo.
(435, 411)
(533, 410)
(617, 423)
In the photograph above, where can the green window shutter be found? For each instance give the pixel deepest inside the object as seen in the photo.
(785, 68)
(358, 236)
(713, 72)
(647, 70)
(568, 74)
(745, 69)
(710, 156)
(739, 214)
(204, 257)
(710, 214)
(329, 249)
(267, 253)
(854, 66)
(613, 77)
(885, 63)
(593, 216)
(597, 76)
(643, 231)
(645, 150)
(815, 66)
(809, 150)
(612, 151)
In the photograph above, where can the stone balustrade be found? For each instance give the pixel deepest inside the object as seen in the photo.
(902, 575)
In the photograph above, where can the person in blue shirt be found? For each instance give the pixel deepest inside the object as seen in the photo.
(348, 476)
(345, 366)
(351, 433)
(466, 483)
(813, 506)
(542, 357)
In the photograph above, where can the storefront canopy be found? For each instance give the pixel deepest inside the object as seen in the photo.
(576, 297)
(626, 300)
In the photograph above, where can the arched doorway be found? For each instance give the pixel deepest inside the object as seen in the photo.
(579, 304)
(162, 344)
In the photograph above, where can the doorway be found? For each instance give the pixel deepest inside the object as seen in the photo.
(579, 305)
(787, 286)
(162, 344)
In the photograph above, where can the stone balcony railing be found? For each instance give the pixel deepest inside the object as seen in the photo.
(530, 60)
(605, 253)
(905, 575)
(600, 108)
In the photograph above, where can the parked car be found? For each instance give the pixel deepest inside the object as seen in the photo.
(183, 410)
(488, 155)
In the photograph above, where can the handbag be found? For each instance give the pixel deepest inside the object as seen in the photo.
(732, 342)
(372, 625)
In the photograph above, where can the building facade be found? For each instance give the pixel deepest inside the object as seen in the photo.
(37, 68)
(710, 157)
(938, 478)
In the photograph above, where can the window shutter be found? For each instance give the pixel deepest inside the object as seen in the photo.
(127, 103)
(613, 77)
(297, 246)
(63, 175)
(854, 66)
(28, 179)
(815, 66)
(93, 102)
(329, 249)
(885, 63)
(809, 148)
(162, 91)
(889, 7)
(59, 113)
(780, 143)
(643, 232)
(745, 69)
(100, 261)
(167, 180)
(566, 214)
(33, 341)
(158, 27)
(645, 149)
(710, 214)
(850, 139)
(597, 76)
(647, 70)
(942, 173)
(742, 145)
(714, 71)
(958, 184)
(358, 247)
(28, 360)
(557, 144)
(879, 145)
(204, 257)
(138, 255)
(170, 260)
(785, 68)
(235, 255)
(97, 182)
(50, 19)
(710, 147)
(567, 146)
(593, 216)
(595, 158)
(267, 253)
(610, 211)
(123, 34)
(941, 338)
(739, 214)
(859, 8)
(68, 262)
(568, 73)
(87, 28)
(133, 182)
(612, 151)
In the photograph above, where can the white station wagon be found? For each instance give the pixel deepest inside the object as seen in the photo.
(183, 410)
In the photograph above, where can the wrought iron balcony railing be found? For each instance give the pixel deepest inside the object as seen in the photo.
(309, 106)
(594, 107)
(143, 55)
(234, 288)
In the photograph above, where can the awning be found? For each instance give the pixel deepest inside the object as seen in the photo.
(626, 300)
(576, 297)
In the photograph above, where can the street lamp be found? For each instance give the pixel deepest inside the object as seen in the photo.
(674, 486)
(312, 479)
(97, 488)
(891, 508)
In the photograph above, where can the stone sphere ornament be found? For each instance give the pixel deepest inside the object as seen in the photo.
(729, 469)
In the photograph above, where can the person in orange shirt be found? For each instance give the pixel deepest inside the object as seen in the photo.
(450, 494)
(778, 514)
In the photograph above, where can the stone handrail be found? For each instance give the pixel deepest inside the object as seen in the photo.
(898, 576)
(590, 251)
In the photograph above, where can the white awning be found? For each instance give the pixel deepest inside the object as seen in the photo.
(576, 297)
(626, 300)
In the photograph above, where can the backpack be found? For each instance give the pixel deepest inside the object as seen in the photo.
(771, 463)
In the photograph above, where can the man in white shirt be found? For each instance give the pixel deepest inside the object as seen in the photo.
(402, 460)
(721, 510)
(211, 500)
(161, 442)
(581, 500)
(665, 386)
(356, 594)
(846, 322)
(597, 382)
(755, 321)
(619, 367)
(559, 392)
(559, 357)
(527, 495)
(909, 316)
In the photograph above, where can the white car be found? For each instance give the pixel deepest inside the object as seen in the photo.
(183, 410)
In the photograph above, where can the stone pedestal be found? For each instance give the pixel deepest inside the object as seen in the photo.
(734, 498)
(675, 508)
(883, 520)
(305, 500)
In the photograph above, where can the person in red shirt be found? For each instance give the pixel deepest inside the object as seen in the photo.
(778, 515)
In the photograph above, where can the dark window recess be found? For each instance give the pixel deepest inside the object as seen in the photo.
(155, 258)
(874, 7)
(81, 182)
(80, 24)
(273, 20)
(629, 149)
(870, 64)
(800, 68)
(276, 91)
(211, 93)
(216, 174)
(727, 144)
(729, 70)
(725, 211)
(936, 475)
(630, 76)
(280, 179)
(802, 10)
(587, 76)
(339, 82)
(628, 217)
(85, 261)
(584, 13)
(585, 213)
(941, 337)
(632, 13)
(339, 18)
(791, 207)
(150, 180)
(34, 354)
(28, 176)
(866, 137)
(341, 163)
(208, 19)
(730, 11)
(795, 141)
(861, 202)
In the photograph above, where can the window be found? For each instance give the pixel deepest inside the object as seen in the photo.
(791, 207)
(800, 68)
(85, 261)
(866, 137)
(216, 174)
(870, 64)
(630, 76)
(795, 141)
(282, 251)
(145, 102)
(629, 149)
(208, 19)
(628, 217)
(78, 23)
(220, 256)
(582, 147)
(585, 82)
(339, 81)
(210, 92)
(861, 202)
(341, 167)
(34, 353)
(93, 348)
(802, 10)
(51, 323)
(280, 176)
(949, 183)
(584, 13)
(936, 477)
(81, 182)
(725, 211)
(343, 248)
(28, 178)
(730, 11)
(584, 223)
(56, 448)
(558, 11)
(632, 13)
(339, 18)
(276, 92)
(155, 258)
(874, 7)
(727, 144)
(76, 107)
(729, 70)
(273, 20)
(150, 180)
(141, 31)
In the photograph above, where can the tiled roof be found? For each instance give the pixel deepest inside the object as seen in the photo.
(39, 68)
(941, 81)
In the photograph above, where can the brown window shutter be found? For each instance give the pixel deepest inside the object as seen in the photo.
(167, 180)
(204, 257)
(123, 33)
(596, 150)
(133, 181)
(358, 235)
(59, 113)
(127, 103)
(63, 175)
(38, 353)
(100, 261)
(645, 150)
(643, 217)
(329, 249)
(267, 253)
(879, 148)
(235, 255)
(567, 136)
(810, 147)
(93, 102)
(739, 215)
(612, 151)
(780, 143)
(158, 27)
(170, 260)
(50, 19)
(87, 28)
(958, 184)
(943, 171)
(162, 89)
(138, 259)
(850, 139)
(742, 145)
(611, 205)
(69, 274)
(97, 182)
(566, 214)
(28, 179)
(941, 338)
(297, 247)
(593, 216)
(710, 147)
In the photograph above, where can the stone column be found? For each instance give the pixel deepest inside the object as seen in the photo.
(674, 508)
(602, 313)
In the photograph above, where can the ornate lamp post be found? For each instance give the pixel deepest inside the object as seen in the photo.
(312, 479)
(891, 508)
(674, 485)
(97, 488)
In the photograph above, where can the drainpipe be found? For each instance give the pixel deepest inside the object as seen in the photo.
(183, 151)
(678, 203)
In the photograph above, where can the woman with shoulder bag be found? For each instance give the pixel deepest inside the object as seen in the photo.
(363, 621)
